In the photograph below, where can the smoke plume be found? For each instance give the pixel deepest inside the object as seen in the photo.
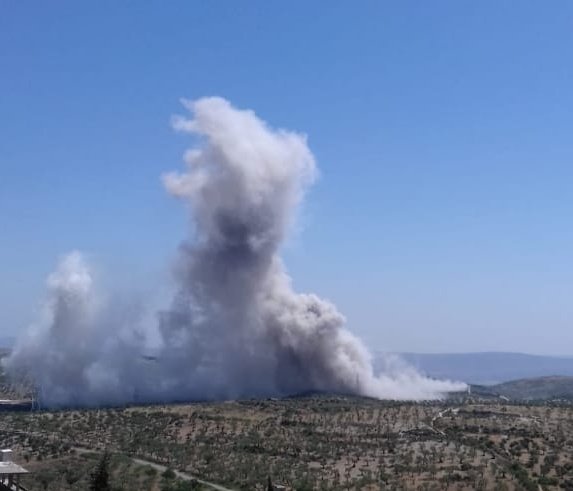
(235, 327)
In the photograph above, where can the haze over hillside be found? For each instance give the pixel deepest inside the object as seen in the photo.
(488, 367)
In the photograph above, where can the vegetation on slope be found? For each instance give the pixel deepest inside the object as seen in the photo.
(540, 388)
(333, 443)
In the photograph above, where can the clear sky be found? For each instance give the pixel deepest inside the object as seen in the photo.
(443, 130)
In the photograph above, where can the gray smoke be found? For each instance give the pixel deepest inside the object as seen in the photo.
(235, 327)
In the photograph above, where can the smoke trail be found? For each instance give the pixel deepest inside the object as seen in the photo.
(235, 327)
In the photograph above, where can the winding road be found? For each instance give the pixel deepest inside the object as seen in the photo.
(180, 475)
(162, 468)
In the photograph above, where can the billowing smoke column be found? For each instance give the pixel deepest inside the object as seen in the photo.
(235, 327)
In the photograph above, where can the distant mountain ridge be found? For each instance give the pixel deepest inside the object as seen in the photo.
(486, 368)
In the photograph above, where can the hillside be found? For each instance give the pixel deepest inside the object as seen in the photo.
(555, 387)
(486, 368)
(313, 443)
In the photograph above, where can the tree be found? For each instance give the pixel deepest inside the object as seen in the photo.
(100, 477)
(169, 473)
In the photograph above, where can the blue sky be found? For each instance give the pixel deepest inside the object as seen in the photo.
(443, 131)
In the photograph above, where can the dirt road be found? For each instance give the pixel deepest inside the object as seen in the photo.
(162, 468)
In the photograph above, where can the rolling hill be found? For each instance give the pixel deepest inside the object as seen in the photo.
(488, 368)
(541, 388)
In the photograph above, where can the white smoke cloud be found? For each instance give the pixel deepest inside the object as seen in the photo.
(235, 327)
